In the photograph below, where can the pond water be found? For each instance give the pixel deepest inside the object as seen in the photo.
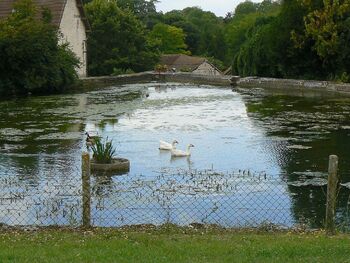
(258, 157)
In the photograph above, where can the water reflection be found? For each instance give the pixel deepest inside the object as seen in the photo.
(311, 130)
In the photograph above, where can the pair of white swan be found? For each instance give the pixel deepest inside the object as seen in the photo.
(172, 148)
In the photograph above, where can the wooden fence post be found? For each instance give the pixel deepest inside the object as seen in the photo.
(331, 194)
(85, 171)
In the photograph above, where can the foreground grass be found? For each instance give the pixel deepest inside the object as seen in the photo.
(170, 244)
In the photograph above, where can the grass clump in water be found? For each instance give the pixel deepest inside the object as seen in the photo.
(103, 151)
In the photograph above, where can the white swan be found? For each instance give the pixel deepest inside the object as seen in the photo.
(167, 146)
(179, 153)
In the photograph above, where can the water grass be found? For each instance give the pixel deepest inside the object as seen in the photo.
(103, 151)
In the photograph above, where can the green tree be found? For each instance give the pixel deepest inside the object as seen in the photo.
(204, 31)
(176, 18)
(327, 26)
(145, 10)
(245, 8)
(266, 48)
(171, 39)
(251, 43)
(211, 32)
(31, 59)
(118, 41)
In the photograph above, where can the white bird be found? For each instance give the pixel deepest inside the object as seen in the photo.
(179, 153)
(167, 146)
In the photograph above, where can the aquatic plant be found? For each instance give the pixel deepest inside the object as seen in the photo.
(103, 151)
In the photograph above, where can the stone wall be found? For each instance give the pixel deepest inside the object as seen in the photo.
(294, 85)
(285, 86)
(91, 82)
(184, 77)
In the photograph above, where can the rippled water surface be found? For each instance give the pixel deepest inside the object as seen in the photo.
(250, 134)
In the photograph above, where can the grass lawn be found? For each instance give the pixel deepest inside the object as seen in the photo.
(170, 244)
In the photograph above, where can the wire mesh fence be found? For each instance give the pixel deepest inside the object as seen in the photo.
(47, 201)
(182, 197)
(233, 199)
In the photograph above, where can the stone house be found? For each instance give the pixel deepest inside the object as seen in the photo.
(69, 18)
(184, 63)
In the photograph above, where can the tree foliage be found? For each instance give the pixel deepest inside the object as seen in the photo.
(327, 27)
(31, 58)
(118, 41)
(204, 31)
(145, 10)
(245, 8)
(293, 39)
(274, 38)
(170, 39)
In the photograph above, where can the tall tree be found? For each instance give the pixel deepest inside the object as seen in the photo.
(245, 8)
(145, 10)
(118, 41)
(211, 32)
(176, 18)
(328, 27)
(171, 40)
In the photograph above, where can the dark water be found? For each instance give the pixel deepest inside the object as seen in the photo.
(275, 146)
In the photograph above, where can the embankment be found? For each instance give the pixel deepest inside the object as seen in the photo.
(144, 77)
(270, 84)
(293, 85)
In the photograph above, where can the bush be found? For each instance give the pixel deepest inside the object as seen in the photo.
(161, 68)
(31, 60)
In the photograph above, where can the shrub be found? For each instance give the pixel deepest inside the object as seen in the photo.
(161, 68)
(103, 152)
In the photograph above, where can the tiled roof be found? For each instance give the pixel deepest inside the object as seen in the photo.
(180, 61)
(56, 7)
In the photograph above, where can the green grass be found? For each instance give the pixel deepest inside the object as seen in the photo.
(171, 245)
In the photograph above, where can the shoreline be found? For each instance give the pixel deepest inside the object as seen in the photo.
(151, 76)
(269, 84)
(294, 85)
(272, 85)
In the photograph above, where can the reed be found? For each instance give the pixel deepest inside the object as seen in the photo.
(103, 151)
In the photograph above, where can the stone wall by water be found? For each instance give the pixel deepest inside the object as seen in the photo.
(293, 84)
(273, 84)
(184, 77)
(153, 76)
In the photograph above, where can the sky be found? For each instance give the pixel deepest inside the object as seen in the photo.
(219, 7)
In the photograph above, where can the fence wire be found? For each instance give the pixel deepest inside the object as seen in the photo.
(42, 200)
(182, 197)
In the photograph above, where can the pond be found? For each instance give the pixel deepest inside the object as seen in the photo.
(258, 157)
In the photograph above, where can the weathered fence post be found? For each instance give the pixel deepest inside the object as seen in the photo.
(331, 194)
(85, 171)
